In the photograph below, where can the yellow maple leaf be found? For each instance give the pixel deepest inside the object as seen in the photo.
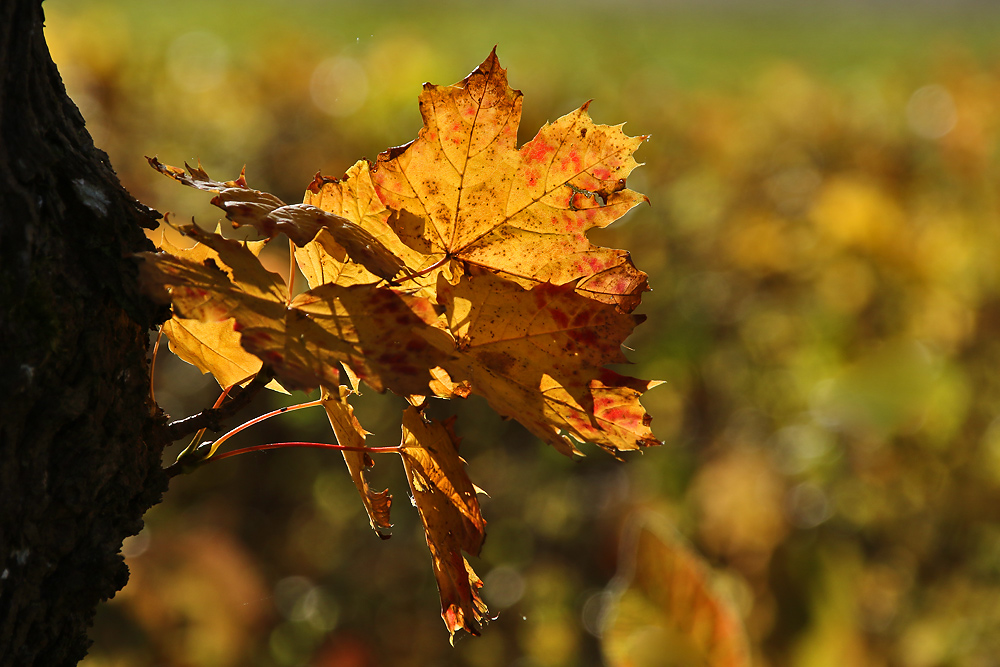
(521, 213)
(353, 198)
(537, 354)
(212, 346)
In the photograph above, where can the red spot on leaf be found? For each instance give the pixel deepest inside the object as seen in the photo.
(531, 176)
(571, 222)
(603, 403)
(561, 318)
(581, 319)
(391, 358)
(620, 416)
(272, 358)
(541, 295)
(579, 421)
(537, 151)
(416, 345)
(573, 159)
(586, 337)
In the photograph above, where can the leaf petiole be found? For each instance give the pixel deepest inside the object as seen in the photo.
(395, 449)
(201, 452)
(417, 274)
(152, 370)
(257, 420)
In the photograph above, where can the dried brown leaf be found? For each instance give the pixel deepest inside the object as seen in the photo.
(300, 222)
(448, 507)
(350, 434)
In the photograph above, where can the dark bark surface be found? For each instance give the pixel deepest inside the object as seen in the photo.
(79, 457)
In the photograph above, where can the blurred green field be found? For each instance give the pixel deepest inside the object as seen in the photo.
(823, 245)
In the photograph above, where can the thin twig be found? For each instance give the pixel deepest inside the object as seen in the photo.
(211, 418)
(192, 446)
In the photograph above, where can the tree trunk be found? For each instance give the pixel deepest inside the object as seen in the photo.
(79, 451)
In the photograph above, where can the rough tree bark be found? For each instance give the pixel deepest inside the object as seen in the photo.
(79, 457)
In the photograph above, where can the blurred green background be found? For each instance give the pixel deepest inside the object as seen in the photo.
(824, 251)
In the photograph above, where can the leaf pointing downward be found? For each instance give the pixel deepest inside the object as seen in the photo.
(449, 510)
(350, 434)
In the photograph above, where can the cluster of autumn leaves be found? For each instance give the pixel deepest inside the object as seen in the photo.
(457, 264)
